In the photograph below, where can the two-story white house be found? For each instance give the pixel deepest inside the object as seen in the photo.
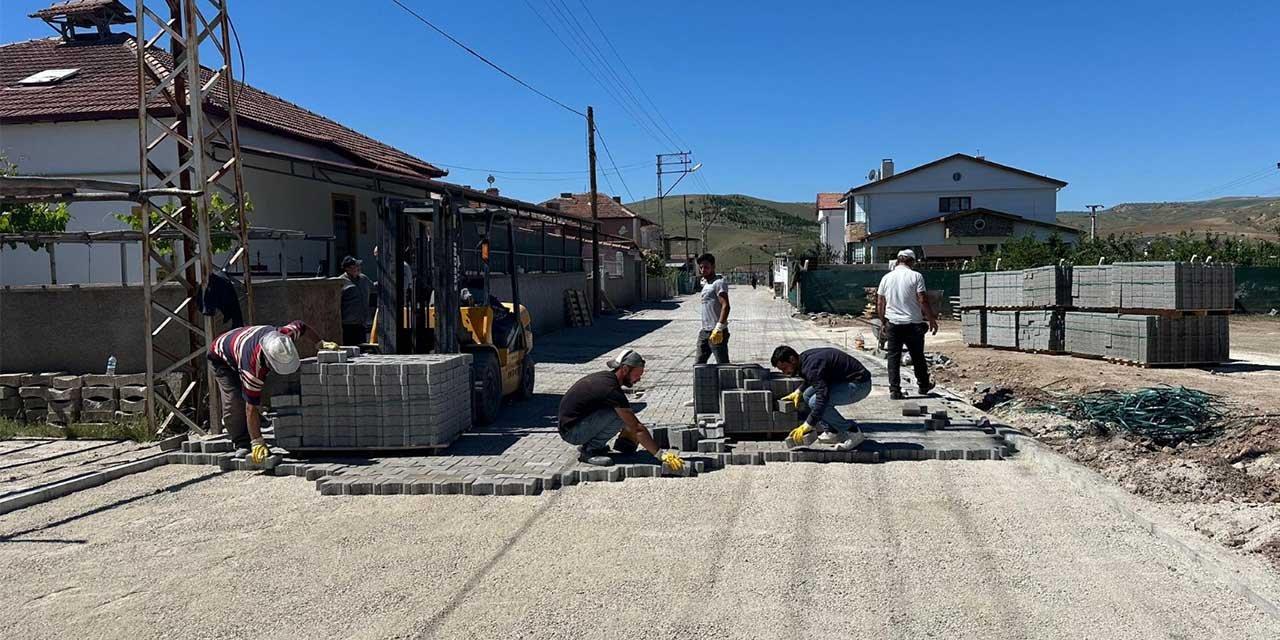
(953, 208)
(831, 226)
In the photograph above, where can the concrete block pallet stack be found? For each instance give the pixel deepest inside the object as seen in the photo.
(1143, 313)
(64, 399)
(10, 398)
(376, 402)
(744, 398)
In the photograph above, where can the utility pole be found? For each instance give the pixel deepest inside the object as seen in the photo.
(595, 214)
(1093, 220)
(681, 163)
(685, 199)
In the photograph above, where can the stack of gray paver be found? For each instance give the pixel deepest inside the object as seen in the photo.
(1174, 285)
(1046, 287)
(973, 327)
(35, 394)
(1091, 288)
(744, 397)
(1149, 339)
(706, 388)
(10, 399)
(376, 402)
(973, 290)
(1040, 330)
(1005, 290)
(1002, 329)
(63, 399)
(747, 411)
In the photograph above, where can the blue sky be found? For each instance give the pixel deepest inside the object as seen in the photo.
(1127, 101)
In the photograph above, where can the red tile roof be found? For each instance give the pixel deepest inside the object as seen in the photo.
(830, 201)
(106, 86)
(578, 205)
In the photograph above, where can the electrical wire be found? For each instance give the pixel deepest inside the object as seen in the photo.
(609, 154)
(515, 172)
(1233, 184)
(487, 61)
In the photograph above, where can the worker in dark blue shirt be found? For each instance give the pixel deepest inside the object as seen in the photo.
(832, 378)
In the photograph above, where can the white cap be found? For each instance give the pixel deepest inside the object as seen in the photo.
(626, 357)
(907, 253)
(281, 354)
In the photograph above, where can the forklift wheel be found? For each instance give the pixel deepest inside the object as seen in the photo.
(526, 378)
(488, 392)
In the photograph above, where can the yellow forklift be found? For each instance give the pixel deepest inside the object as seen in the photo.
(442, 299)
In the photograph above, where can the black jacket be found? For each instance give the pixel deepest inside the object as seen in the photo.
(823, 367)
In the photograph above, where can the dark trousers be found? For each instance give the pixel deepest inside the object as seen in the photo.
(910, 336)
(705, 348)
(232, 395)
(354, 335)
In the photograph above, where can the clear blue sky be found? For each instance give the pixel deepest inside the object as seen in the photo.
(1127, 101)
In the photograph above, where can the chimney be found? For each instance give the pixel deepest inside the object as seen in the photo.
(493, 191)
(566, 195)
(617, 199)
(886, 168)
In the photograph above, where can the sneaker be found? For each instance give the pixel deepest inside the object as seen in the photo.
(831, 437)
(895, 395)
(240, 453)
(925, 389)
(688, 403)
(851, 442)
(594, 457)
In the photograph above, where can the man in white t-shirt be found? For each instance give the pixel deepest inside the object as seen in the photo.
(905, 316)
(714, 335)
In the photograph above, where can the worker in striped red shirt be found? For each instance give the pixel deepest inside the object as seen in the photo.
(241, 359)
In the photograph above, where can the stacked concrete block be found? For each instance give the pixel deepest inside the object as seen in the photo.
(133, 398)
(63, 400)
(973, 327)
(10, 397)
(1040, 330)
(973, 290)
(1046, 287)
(1175, 285)
(783, 386)
(378, 402)
(1002, 329)
(99, 398)
(747, 411)
(35, 394)
(1091, 288)
(1004, 290)
(706, 388)
(1149, 339)
(1086, 333)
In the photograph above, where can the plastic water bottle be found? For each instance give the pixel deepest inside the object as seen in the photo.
(111, 365)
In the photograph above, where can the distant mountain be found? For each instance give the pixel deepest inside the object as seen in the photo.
(748, 230)
(1253, 217)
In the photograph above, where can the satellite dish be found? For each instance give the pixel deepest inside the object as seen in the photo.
(871, 175)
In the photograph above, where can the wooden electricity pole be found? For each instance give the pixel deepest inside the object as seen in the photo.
(595, 215)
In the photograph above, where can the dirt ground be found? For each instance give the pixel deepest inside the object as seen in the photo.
(1227, 488)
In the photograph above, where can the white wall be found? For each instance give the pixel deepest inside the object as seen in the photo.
(831, 228)
(108, 149)
(911, 198)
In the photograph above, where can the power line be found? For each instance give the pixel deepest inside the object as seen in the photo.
(536, 173)
(608, 153)
(486, 60)
(1235, 183)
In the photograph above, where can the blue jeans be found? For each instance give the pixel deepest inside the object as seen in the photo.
(841, 394)
(594, 431)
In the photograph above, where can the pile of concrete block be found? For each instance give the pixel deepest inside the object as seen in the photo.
(1041, 330)
(376, 402)
(35, 391)
(973, 290)
(747, 411)
(1149, 339)
(1046, 287)
(10, 399)
(63, 399)
(1005, 290)
(1091, 288)
(973, 327)
(1002, 329)
(744, 397)
(1174, 285)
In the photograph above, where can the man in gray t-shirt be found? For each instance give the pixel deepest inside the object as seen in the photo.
(714, 335)
(356, 288)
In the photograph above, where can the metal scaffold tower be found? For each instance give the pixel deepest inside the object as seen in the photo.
(188, 104)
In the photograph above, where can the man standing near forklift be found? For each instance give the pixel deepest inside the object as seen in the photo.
(714, 336)
(356, 289)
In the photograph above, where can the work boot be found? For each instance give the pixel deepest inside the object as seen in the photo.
(851, 441)
(895, 394)
(624, 446)
(594, 457)
(925, 388)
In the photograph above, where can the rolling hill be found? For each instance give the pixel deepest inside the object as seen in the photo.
(1252, 217)
(747, 231)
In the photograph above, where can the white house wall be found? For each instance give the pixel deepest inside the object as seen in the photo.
(831, 224)
(936, 234)
(107, 149)
(913, 197)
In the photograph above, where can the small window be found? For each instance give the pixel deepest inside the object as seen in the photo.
(48, 76)
(952, 205)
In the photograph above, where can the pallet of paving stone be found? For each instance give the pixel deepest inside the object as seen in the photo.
(1041, 331)
(1005, 290)
(1173, 285)
(973, 327)
(1091, 287)
(1002, 329)
(973, 290)
(1046, 287)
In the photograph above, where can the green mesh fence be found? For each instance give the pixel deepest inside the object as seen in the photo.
(1258, 289)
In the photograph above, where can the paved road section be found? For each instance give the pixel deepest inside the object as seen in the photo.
(956, 549)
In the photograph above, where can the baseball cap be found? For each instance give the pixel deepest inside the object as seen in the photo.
(626, 357)
(907, 253)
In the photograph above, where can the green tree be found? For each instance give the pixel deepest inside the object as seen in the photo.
(30, 217)
(222, 217)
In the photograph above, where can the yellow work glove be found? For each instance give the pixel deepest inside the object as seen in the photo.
(672, 462)
(793, 398)
(259, 451)
(802, 435)
(717, 334)
(328, 346)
